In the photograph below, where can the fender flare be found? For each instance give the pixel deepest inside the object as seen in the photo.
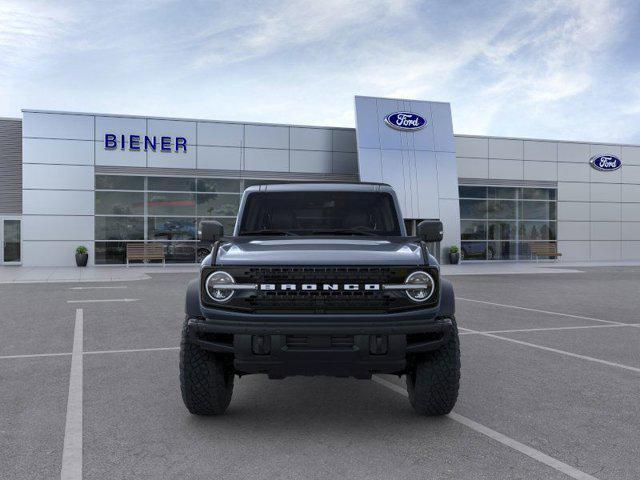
(447, 299)
(192, 300)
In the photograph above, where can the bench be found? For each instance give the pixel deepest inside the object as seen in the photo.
(544, 250)
(145, 252)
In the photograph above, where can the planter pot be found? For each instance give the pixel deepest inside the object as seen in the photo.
(454, 258)
(81, 259)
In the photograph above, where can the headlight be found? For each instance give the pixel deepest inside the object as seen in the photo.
(424, 286)
(217, 286)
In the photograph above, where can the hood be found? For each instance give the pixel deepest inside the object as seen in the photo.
(320, 251)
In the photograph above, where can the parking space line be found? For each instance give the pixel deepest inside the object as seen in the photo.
(104, 300)
(35, 355)
(530, 452)
(541, 311)
(555, 350)
(72, 449)
(547, 329)
(98, 288)
(159, 349)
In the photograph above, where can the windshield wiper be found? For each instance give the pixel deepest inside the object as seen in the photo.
(268, 231)
(344, 231)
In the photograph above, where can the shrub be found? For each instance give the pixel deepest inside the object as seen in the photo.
(81, 250)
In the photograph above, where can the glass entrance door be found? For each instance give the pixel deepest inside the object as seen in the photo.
(10, 237)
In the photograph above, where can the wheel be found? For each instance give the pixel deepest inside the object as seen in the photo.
(434, 381)
(201, 254)
(206, 379)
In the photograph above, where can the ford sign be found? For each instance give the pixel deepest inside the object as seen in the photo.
(405, 121)
(605, 163)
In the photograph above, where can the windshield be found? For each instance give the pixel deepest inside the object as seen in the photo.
(318, 213)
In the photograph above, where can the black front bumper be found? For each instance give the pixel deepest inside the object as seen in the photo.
(335, 345)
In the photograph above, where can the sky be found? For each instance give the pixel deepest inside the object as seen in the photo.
(540, 69)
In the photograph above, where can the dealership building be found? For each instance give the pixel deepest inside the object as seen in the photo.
(106, 181)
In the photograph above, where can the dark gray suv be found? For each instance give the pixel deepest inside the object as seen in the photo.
(319, 279)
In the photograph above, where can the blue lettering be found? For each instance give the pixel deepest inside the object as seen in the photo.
(110, 141)
(134, 142)
(122, 145)
(148, 142)
(181, 142)
(165, 144)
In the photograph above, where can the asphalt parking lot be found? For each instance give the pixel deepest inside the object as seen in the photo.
(550, 389)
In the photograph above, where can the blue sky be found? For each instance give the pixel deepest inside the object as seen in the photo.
(546, 69)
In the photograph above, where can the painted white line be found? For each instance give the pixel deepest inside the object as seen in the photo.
(555, 350)
(548, 329)
(72, 450)
(530, 452)
(540, 311)
(105, 300)
(97, 288)
(35, 355)
(159, 349)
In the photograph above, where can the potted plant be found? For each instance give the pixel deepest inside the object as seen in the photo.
(454, 255)
(82, 256)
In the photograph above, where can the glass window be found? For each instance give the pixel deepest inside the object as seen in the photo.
(538, 194)
(473, 230)
(502, 251)
(119, 203)
(119, 228)
(11, 246)
(502, 192)
(171, 184)
(502, 209)
(474, 250)
(532, 210)
(502, 231)
(537, 230)
(119, 182)
(472, 192)
(473, 209)
(171, 228)
(171, 204)
(211, 204)
(179, 252)
(214, 185)
(111, 252)
(250, 182)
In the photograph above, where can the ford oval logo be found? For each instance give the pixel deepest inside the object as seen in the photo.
(405, 121)
(605, 163)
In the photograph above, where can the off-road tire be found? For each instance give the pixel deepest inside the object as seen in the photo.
(434, 380)
(206, 379)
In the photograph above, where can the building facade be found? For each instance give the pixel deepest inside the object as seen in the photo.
(104, 181)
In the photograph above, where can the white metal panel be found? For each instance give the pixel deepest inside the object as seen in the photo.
(442, 127)
(367, 132)
(605, 251)
(631, 231)
(173, 159)
(573, 251)
(602, 192)
(427, 173)
(220, 134)
(172, 128)
(370, 165)
(449, 214)
(473, 167)
(630, 174)
(120, 158)
(630, 193)
(506, 149)
(605, 177)
(574, 172)
(605, 212)
(605, 150)
(506, 169)
(57, 202)
(266, 159)
(573, 231)
(630, 250)
(630, 155)
(393, 174)
(120, 126)
(266, 136)
(58, 227)
(311, 161)
(344, 162)
(573, 192)
(545, 151)
(630, 212)
(344, 140)
(574, 152)
(57, 125)
(64, 177)
(69, 152)
(311, 139)
(390, 138)
(424, 139)
(473, 147)
(52, 253)
(219, 158)
(573, 211)
(546, 171)
(447, 175)
(605, 231)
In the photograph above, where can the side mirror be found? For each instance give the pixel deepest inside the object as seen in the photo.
(210, 231)
(430, 231)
